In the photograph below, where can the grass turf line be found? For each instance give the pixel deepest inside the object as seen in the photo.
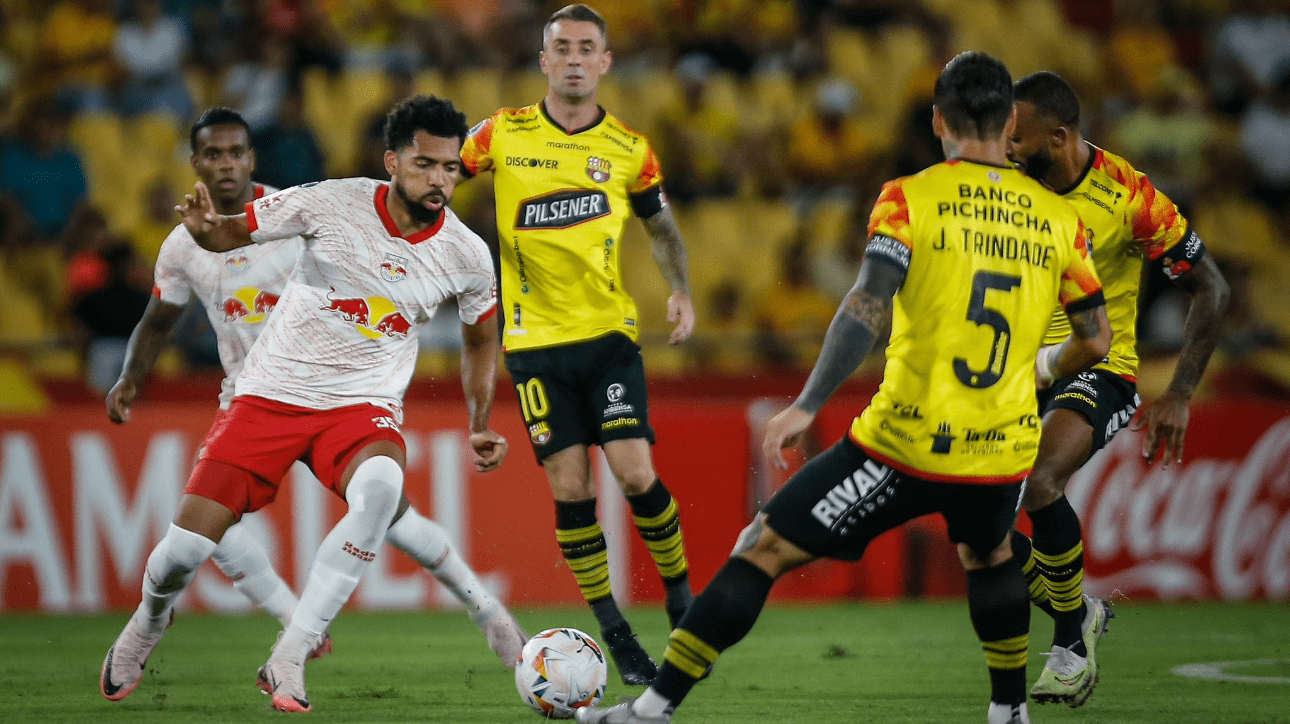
(891, 663)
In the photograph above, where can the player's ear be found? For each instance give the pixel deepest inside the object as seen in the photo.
(250, 157)
(542, 60)
(391, 162)
(938, 122)
(1059, 137)
(1010, 127)
(609, 60)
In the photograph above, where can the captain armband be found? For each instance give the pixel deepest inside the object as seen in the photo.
(1183, 256)
(889, 250)
(648, 202)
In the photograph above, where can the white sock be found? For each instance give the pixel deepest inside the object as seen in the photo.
(651, 704)
(244, 561)
(171, 566)
(373, 496)
(1002, 714)
(426, 542)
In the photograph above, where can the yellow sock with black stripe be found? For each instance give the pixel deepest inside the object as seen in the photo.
(582, 543)
(719, 618)
(1023, 553)
(1000, 611)
(658, 521)
(1059, 558)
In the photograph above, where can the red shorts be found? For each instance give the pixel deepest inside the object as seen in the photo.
(264, 437)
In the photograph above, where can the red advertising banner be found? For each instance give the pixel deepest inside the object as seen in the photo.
(83, 501)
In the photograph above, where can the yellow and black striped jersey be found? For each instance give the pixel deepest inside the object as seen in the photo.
(562, 199)
(987, 251)
(1128, 222)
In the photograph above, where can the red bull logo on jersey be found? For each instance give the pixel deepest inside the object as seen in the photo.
(248, 305)
(373, 317)
(598, 169)
(236, 262)
(394, 268)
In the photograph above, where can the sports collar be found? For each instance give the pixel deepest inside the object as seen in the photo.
(599, 117)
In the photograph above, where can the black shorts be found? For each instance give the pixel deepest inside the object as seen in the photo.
(842, 499)
(584, 393)
(1104, 398)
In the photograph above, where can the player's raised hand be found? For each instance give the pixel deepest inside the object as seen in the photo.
(785, 430)
(197, 213)
(680, 310)
(119, 400)
(1166, 423)
(490, 447)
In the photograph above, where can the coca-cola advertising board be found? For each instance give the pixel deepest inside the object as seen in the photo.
(82, 502)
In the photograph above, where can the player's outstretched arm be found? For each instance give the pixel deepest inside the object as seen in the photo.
(212, 231)
(146, 342)
(1166, 419)
(670, 255)
(480, 347)
(864, 316)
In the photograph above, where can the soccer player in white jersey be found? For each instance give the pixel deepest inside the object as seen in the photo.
(238, 290)
(325, 381)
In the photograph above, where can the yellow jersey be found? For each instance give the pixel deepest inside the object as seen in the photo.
(1128, 222)
(987, 251)
(562, 199)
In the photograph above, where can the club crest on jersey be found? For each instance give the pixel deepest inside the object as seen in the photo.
(394, 268)
(598, 169)
(236, 262)
(540, 433)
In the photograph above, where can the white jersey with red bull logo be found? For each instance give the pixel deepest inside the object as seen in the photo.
(237, 289)
(345, 328)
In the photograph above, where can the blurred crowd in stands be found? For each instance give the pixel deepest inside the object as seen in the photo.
(776, 121)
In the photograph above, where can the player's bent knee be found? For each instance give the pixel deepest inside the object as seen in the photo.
(1042, 491)
(377, 485)
(974, 560)
(637, 484)
(770, 551)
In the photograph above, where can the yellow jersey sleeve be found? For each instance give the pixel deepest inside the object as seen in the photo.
(475, 158)
(1080, 288)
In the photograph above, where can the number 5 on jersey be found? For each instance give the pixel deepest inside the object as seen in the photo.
(982, 282)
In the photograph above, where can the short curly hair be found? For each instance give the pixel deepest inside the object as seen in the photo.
(436, 116)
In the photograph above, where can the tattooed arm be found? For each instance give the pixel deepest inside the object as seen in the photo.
(1087, 345)
(864, 316)
(670, 255)
(1166, 419)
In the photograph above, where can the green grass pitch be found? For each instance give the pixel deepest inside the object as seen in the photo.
(852, 662)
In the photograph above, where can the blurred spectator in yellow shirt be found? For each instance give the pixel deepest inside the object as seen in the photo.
(828, 152)
(76, 54)
(698, 143)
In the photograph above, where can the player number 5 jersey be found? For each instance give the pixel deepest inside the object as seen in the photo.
(987, 252)
(562, 200)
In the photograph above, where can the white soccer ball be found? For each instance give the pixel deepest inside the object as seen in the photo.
(561, 669)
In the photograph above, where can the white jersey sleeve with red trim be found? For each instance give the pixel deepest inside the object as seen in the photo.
(286, 213)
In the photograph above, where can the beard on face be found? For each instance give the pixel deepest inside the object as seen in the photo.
(419, 213)
(1039, 163)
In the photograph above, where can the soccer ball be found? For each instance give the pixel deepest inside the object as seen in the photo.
(561, 669)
